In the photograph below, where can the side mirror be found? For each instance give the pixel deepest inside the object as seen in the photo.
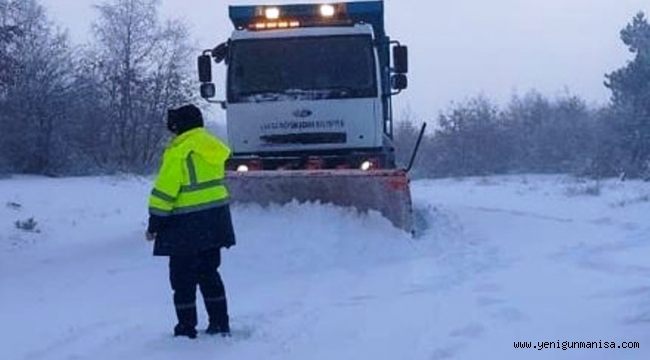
(220, 53)
(205, 68)
(208, 90)
(400, 59)
(399, 82)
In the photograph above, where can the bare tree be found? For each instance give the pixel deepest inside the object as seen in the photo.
(143, 70)
(8, 32)
(35, 95)
(406, 134)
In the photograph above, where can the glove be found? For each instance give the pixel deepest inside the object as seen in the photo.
(156, 223)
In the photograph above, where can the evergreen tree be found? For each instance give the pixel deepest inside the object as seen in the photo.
(630, 88)
(470, 137)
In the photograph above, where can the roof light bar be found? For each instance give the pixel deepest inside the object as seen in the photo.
(271, 25)
(310, 15)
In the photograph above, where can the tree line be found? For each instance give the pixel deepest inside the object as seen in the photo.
(95, 108)
(537, 134)
(100, 107)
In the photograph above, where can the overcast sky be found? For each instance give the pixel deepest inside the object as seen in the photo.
(458, 48)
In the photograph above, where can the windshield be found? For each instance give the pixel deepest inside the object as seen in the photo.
(310, 68)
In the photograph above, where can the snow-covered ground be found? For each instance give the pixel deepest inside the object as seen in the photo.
(502, 259)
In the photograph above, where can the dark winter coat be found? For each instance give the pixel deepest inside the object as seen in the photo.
(192, 233)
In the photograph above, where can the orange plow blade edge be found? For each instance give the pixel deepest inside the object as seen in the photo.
(385, 191)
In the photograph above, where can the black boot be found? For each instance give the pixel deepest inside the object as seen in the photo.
(187, 320)
(181, 330)
(214, 329)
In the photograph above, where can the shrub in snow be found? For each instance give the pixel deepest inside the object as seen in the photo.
(14, 206)
(27, 225)
(487, 181)
(634, 201)
(593, 189)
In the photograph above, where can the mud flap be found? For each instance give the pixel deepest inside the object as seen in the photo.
(385, 191)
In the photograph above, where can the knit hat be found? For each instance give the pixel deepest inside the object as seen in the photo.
(184, 119)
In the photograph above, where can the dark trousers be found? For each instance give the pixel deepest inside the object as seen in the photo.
(188, 271)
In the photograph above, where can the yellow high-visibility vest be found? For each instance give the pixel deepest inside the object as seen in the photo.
(191, 177)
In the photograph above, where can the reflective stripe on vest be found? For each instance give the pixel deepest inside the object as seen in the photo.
(191, 169)
(195, 185)
(190, 209)
(202, 186)
(161, 195)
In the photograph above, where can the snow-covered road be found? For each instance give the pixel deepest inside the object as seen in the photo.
(503, 259)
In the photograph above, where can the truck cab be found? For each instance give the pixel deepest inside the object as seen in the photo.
(308, 86)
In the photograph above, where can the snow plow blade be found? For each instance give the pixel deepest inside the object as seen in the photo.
(384, 191)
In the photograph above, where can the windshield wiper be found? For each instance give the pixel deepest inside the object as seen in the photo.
(261, 96)
(342, 90)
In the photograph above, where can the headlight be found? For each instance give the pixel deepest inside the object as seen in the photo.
(272, 13)
(366, 165)
(242, 168)
(327, 10)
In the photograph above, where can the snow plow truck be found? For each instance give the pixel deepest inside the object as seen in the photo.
(308, 103)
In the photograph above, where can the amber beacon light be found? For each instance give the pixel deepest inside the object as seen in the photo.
(327, 10)
(272, 13)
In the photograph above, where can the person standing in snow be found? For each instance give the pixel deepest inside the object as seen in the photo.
(190, 222)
